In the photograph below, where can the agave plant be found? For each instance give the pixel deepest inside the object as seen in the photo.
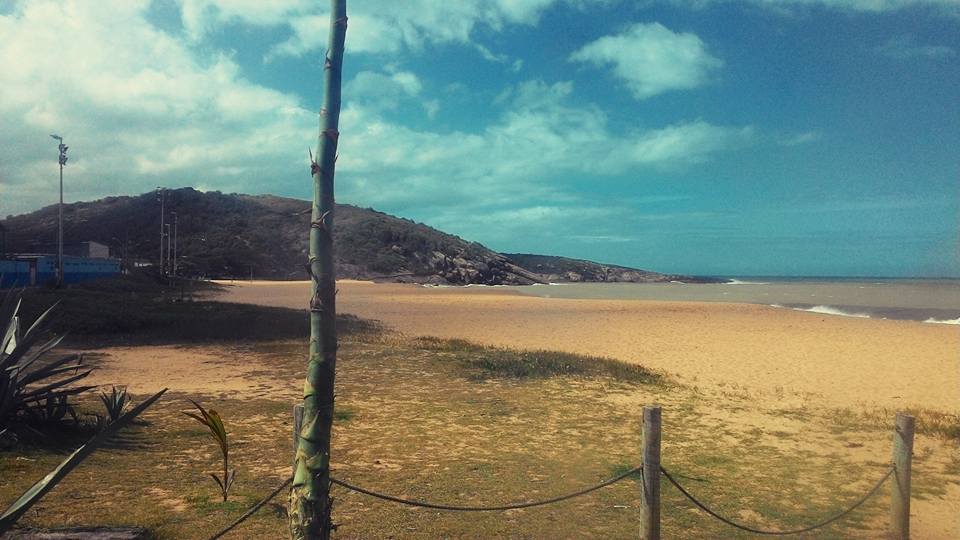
(48, 482)
(27, 388)
(214, 423)
(115, 402)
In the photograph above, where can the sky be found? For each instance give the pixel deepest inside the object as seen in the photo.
(711, 137)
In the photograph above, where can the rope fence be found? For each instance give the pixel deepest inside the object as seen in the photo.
(824, 523)
(253, 509)
(512, 506)
(651, 470)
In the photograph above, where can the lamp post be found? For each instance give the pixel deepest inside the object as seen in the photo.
(176, 221)
(63, 161)
(160, 195)
(167, 266)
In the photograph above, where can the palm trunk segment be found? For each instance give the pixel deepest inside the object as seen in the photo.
(310, 501)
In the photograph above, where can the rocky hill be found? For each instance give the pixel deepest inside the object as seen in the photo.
(564, 270)
(234, 235)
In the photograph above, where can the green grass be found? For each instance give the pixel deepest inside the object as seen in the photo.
(343, 414)
(483, 362)
(622, 468)
(927, 421)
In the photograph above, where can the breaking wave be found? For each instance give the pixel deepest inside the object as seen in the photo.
(825, 310)
(943, 321)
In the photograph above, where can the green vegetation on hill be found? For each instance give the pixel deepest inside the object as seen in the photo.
(233, 235)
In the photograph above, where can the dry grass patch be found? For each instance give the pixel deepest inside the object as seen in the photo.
(457, 423)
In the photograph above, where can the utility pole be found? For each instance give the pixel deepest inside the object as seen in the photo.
(167, 266)
(176, 221)
(63, 161)
(160, 195)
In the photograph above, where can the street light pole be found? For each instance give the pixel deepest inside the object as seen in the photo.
(176, 221)
(63, 161)
(160, 195)
(168, 266)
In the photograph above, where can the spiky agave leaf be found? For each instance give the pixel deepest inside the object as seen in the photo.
(51, 408)
(8, 312)
(29, 359)
(11, 336)
(37, 324)
(48, 482)
(23, 385)
(115, 402)
(54, 368)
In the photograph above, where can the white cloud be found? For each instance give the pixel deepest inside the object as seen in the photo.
(200, 16)
(690, 142)
(432, 107)
(141, 108)
(502, 226)
(652, 59)
(137, 108)
(798, 139)
(906, 48)
(950, 7)
(366, 34)
(875, 6)
(535, 150)
(388, 27)
(384, 91)
(385, 27)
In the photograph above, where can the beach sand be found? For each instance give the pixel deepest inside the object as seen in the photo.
(834, 361)
(754, 369)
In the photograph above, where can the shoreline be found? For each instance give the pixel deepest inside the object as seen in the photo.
(806, 357)
(878, 311)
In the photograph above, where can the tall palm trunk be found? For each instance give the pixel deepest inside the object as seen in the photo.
(310, 502)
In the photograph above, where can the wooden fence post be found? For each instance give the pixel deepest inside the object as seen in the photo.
(297, 424)
(902, 456)
(650, 495)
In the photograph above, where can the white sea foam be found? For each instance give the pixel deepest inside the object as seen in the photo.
(943, 321)
(738, 282)
(827, 310)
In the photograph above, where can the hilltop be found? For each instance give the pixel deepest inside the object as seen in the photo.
(236, 235)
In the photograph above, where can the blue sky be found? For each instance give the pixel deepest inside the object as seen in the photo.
(754, 137)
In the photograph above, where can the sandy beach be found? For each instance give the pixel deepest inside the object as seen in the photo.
(836, 361)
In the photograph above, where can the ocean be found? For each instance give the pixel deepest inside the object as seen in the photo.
(924, 300)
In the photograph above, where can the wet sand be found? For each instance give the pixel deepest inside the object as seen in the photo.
(835, 361)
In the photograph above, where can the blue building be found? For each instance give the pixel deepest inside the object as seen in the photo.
(38, 269)
(13, 272)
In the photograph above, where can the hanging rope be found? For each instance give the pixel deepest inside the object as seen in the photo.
(512, 506)
(253, 509)
(732, 523)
